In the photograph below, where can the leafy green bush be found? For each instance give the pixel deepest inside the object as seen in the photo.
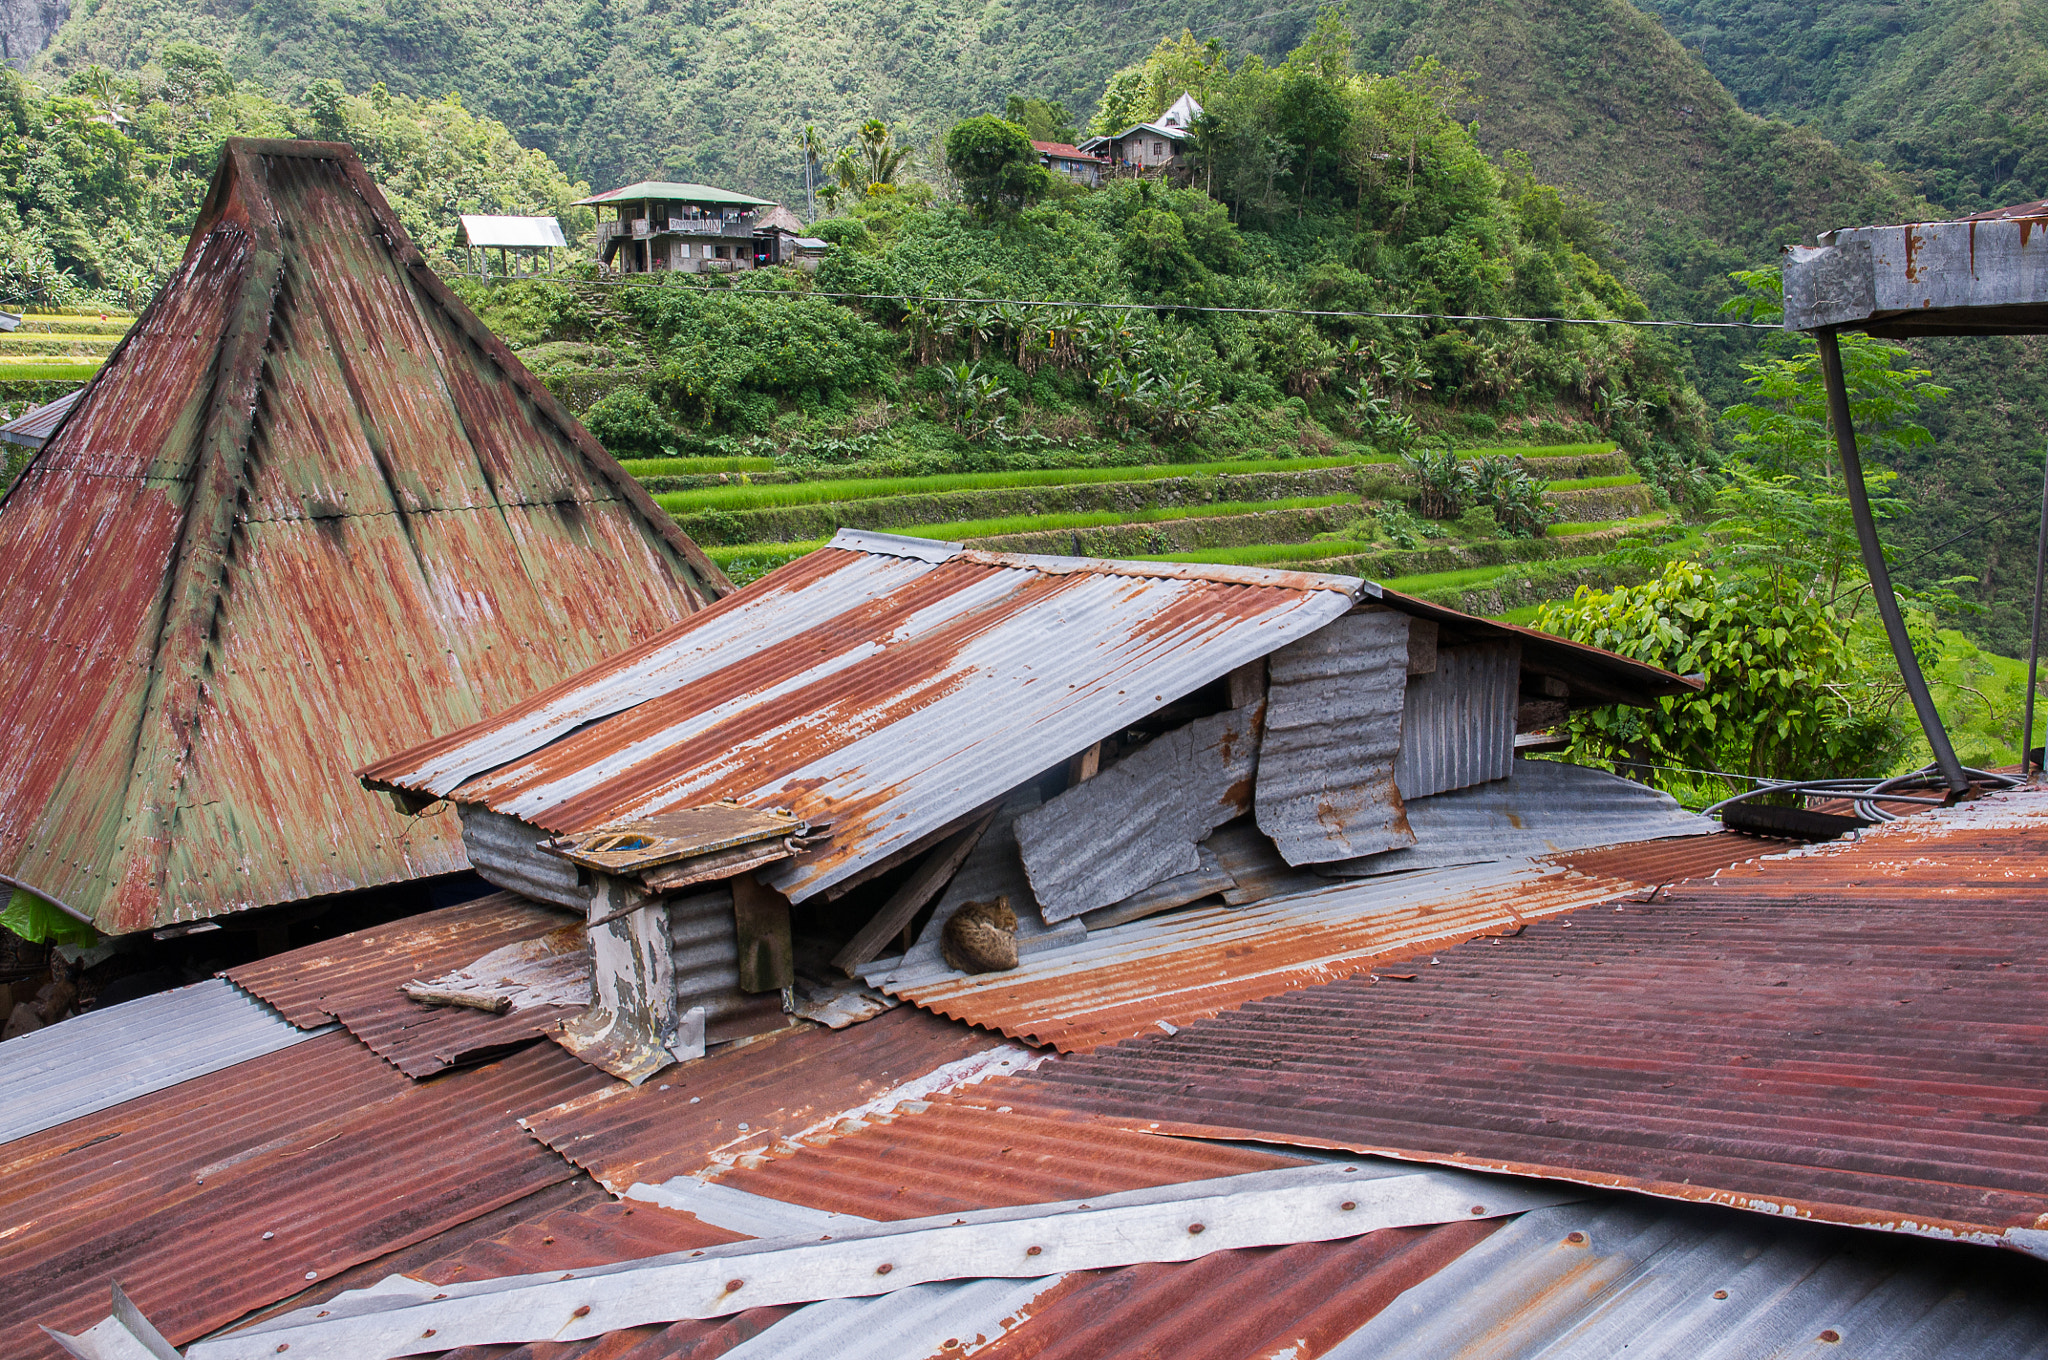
(629, 424)
(726, 356)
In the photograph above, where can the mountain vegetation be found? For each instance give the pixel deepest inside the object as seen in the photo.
(1524, 157)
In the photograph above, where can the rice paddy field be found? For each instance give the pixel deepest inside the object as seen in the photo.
(55, 347)
(1339, 514)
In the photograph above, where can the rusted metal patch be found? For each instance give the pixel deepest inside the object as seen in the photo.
(1123, 982)
(1848, 1034)
(357, 979)
(237, 1189)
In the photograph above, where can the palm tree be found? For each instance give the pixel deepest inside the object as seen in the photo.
(880, 157)
(812, 147)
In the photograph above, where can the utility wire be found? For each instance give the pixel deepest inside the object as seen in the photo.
(906, 299)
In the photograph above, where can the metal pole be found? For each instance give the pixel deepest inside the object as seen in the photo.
(2034, 635)
(1880, 575)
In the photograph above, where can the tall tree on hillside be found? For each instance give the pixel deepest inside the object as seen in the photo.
(995, 164)
(873, 158)
(811, 146)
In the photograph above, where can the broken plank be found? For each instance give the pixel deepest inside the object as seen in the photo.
(902, 907)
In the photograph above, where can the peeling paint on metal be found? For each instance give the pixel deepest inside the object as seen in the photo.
(880, 693)
(309, 510)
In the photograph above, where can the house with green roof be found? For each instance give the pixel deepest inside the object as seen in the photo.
(659, 227)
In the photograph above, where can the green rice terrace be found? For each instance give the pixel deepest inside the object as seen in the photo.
(1354, 515)
(51, 353)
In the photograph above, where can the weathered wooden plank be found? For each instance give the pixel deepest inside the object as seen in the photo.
(902, 907)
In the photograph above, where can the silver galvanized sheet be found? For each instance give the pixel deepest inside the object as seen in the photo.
(1333, 730)
(103, 1058)
(1138, 822)
(501, 849)
(1543, 807)
(1458, 721)
(1606, 1278)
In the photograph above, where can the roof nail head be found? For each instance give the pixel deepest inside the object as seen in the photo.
(1720, 1293)
(583, 1311)
(1194, 1227)
(1479, 1208)
(1033, 1251)
(1348, 1204)
(1577, 1239)
(1831, 1336)
(428, 1332)
(733, 1286)
(884, 1268)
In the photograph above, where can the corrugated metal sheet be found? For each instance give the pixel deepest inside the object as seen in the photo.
(309, 510)
(887, 686)
(355, 978)
(1458, 721)
(501, 849)
(1661, 862)
(34, 428)
(1605, 1278)
(1137, 823)
(705, 950)
(1333, 731)
(526, 233)
(1543, 807)
(950, 1154)
(323, 1146)
(1122, 982)
(107, 1056)
(1850, 1033)
(774, 1088)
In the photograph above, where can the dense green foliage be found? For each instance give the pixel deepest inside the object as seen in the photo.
(104, 178)
(1947, 91)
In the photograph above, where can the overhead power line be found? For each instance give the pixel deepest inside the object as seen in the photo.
(906, 299)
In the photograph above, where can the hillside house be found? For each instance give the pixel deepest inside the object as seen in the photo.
(1148, 147)
(655, 227)
(1071, 162)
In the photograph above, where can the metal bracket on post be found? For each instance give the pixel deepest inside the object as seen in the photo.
(1880, 575)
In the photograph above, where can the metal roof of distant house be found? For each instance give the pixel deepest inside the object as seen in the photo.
(34, 427)
(1178, 134)
(1986, 274)
(1065, 151)
(310, 509)
(526, 233)
(679, 193)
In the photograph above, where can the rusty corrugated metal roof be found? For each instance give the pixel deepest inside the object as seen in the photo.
(775, 1088)
(322, 1146)
(309, 510)
(355, 978)
(1124, 981)
(33, 428)
(887, 686)
(1850, 1033)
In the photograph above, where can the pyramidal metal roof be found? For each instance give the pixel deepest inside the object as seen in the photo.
(309, 511)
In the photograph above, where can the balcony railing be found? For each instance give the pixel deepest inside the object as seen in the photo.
(640, 228)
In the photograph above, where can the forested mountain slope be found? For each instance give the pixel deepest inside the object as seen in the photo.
(1948, 91)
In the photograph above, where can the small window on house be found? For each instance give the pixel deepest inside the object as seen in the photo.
(1159, 148)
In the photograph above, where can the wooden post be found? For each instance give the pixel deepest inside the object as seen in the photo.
(1083, 767)
(767, 955)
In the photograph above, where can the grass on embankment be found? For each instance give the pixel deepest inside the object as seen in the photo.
(787, 494)
(36, 369)
(642, 468)
(969, 530)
